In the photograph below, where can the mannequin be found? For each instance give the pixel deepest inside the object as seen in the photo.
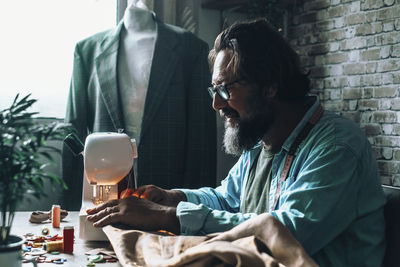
(148, 78)
(138, 38)
(137, 3)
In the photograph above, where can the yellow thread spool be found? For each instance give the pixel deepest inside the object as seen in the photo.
(54, 246)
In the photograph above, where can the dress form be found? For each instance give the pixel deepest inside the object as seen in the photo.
(135, 56)
(176, 146)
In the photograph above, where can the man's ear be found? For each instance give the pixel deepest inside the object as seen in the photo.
(270, 92)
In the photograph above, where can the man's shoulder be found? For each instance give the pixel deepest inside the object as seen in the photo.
(338, 124)
(336, 130)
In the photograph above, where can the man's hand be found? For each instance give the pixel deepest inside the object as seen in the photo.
(138, 213)
(161, 196)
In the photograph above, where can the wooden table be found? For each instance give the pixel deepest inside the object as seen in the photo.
(22, 226)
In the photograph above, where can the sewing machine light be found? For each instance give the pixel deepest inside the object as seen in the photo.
(108, 157)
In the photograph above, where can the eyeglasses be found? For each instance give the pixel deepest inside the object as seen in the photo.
(221, 90)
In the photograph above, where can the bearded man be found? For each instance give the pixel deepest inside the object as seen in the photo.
(311, 169)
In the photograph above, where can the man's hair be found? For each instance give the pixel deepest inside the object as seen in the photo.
(260, 55)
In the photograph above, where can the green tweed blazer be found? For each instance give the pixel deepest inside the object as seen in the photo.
(177, 145)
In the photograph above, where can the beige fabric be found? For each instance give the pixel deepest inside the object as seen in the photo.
(233, 248)
(138, 248)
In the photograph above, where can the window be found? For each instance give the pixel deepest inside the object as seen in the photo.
(37, 45)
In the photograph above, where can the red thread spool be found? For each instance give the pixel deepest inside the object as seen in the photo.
(68, 233)
(55, 215)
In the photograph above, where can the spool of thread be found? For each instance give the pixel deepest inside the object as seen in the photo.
(53, 246)
(55, 215)
(68, 233)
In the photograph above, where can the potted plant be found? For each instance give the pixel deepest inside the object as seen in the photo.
(24, 155)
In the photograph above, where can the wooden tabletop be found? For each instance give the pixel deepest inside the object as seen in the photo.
(22, 226)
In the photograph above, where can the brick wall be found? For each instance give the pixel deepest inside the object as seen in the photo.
(352, 49)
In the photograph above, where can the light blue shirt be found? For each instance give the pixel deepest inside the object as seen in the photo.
(332, 201)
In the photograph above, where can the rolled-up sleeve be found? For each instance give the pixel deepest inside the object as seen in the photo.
(209, 210)
(197, 219)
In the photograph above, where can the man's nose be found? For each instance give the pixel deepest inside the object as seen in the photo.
(218, 102)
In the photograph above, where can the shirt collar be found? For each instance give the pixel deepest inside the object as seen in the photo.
(286, 145)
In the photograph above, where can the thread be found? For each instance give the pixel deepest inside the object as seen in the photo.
(55, 216)
(68, 234)
(53, 246)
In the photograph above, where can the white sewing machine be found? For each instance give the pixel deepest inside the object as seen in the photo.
(108, 158)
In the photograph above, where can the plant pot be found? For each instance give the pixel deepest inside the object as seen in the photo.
(10, 253)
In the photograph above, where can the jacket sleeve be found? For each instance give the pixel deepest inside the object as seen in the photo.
(200, 158)
(76, 115)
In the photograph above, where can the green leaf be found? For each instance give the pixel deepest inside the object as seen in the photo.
(23, 106)
(15, 99)
(23, 99)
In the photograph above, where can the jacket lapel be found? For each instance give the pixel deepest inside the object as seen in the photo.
(163, 67)
(106, 70)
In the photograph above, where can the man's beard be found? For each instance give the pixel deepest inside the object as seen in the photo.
(243, 134)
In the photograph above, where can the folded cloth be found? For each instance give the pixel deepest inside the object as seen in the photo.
(261, 241)
(138, 248)
(274, 238)
(41, 216)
